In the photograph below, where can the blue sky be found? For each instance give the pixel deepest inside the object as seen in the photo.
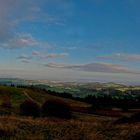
(71, 40)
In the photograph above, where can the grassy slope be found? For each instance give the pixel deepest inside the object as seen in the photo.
(93, 128)
(41, 97)
(82, 127)
(14, 94)
(17, 96)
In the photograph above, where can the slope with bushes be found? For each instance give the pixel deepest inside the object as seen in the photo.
(82, 126)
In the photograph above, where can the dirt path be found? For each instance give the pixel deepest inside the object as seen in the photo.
(29, 97)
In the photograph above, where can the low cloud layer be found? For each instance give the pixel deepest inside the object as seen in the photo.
(94, 67)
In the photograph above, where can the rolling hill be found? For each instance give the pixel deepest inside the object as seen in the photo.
(82, 126)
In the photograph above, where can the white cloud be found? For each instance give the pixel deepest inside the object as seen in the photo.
(25, 61)
(19, 41)
(49, 55)
(36, 53)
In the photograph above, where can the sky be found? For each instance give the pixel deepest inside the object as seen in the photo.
(70, 40)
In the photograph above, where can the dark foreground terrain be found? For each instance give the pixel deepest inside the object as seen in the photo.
(85, 124)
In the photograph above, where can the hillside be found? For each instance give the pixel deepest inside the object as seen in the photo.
(19, 95)
(82, 126)
(77, 89)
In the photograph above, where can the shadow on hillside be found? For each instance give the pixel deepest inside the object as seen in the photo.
(132, 119)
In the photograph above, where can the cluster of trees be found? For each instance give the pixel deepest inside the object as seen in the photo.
(64, 94)
(109, 102)
(107, 99)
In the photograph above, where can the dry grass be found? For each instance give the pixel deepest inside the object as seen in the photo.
(90, 128)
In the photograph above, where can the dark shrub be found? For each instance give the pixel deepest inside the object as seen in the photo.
(56, 108)
(122, 120)
(135, 117)
(30, 108)
(6, 104)
(6, 133)
(136, 136)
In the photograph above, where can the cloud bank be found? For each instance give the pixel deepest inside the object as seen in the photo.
(94, 67)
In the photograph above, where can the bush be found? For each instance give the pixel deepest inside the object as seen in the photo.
(30, 108)
(6, 104)
(56, 108)
(132, 119)
(135, 117)
(136, 136)
(122, 120)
